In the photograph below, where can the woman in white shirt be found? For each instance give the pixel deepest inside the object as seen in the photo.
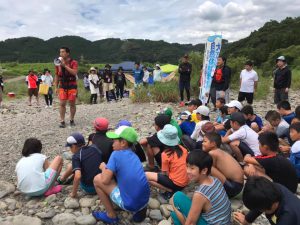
(157, 73)
(94, 85)
(48, 80)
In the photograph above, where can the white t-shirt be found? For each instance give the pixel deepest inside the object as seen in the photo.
(157, 75)
(146, 76)
(47, 79)
(296, 147)
(95, 79)
(197, 135)
(248, 136)
(30, 173)
(248, 78)
(283, 129)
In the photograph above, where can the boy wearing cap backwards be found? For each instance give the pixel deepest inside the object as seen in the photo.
(225, 167)
(103, 143)
(241, 138)
(282, 80)
(279, 205)
(85, 165)
(130, 190)
(270, 164)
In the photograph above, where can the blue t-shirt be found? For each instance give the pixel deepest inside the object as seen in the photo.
(138, 75)
(187, 127)
(131, 179)
(288, 118)
(257, 120)
(87, 160)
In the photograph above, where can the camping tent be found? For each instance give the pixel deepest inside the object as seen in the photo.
(168, 68)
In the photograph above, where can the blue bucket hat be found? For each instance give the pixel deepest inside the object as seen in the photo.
(123, 123)
(168, 135)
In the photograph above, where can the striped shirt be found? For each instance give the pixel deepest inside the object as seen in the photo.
(220, 212)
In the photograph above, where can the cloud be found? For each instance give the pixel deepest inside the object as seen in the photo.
(188, 21)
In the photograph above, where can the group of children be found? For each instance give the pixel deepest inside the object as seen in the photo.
(215, 155)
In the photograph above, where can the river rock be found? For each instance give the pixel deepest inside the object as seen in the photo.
(155, 214)
(22, 220)
(153, 203)
(46, 215)
(86, 220)
(6, 188)
(64, 219)
(165, 211)
(164, 222)
(87, 202)
(71, 203)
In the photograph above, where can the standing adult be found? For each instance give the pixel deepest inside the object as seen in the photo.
(1, 89)
(248, 83)
(48, 80)
(94, 85)
(220, 83)
(282, 80)
(32, 84)
(185, 70)
(65, 85)
(138, 75)
(157, 73)
(108, 86)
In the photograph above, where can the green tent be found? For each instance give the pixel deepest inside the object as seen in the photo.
(168, 68)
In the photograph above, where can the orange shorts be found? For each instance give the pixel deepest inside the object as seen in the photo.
(65, 94)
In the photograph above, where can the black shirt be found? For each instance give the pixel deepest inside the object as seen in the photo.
(87, 160)
(282, 78)
(280, 170)
(107, 76)
(223, 84)
(120, 79)
(287, 212)
(103, 143)
(185, 70)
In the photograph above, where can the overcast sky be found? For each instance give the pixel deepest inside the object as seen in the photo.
(182, 21)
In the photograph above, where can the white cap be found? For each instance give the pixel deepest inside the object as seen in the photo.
(281, 58)
(157, 65)
(236, 104)
(203, 110)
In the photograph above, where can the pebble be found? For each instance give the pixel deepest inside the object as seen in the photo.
(50, 199)
(153, 203)
(155, 214)
(46, 215)
(165, 211)
(22, 220)
(164, 222)
(87, 202)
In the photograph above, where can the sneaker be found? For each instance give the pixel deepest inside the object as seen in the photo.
(72, 123)
(140, 216)
(166, 195)
(46, 107)
(102, 216)
(53, 190)
(62, 124)
(50, 106)
(181, 104)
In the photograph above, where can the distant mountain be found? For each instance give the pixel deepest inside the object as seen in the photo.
(261, 43)
(112, 50)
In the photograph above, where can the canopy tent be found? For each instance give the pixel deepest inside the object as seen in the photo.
(169, 68)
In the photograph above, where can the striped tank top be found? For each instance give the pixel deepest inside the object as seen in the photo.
(220, 211)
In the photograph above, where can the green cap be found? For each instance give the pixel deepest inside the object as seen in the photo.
(168, 111)
(127, 133)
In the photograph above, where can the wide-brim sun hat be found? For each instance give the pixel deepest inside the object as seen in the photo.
(168, 135)
(92, 69)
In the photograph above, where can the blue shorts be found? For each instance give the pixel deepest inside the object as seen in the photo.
(87, 189)
(50, 175)
(115, 196)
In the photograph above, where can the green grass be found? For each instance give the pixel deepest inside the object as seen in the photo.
(19, 88)
(296, 79)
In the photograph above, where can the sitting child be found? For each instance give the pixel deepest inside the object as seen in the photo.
(210, 204)
(241, 138)
(270, 164)
(225, 167)
(168, 112)
(252, 120)
(173, 176)
(153, 145)
(260, 195)
(186, 124)
(297, 115)
(284, 109)
(103, 143)
(203, 115)
(122, 180)
(191, 107)
(220, 103)
(278, 125)
(36, 175)
(85, 165)
(295, 150)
